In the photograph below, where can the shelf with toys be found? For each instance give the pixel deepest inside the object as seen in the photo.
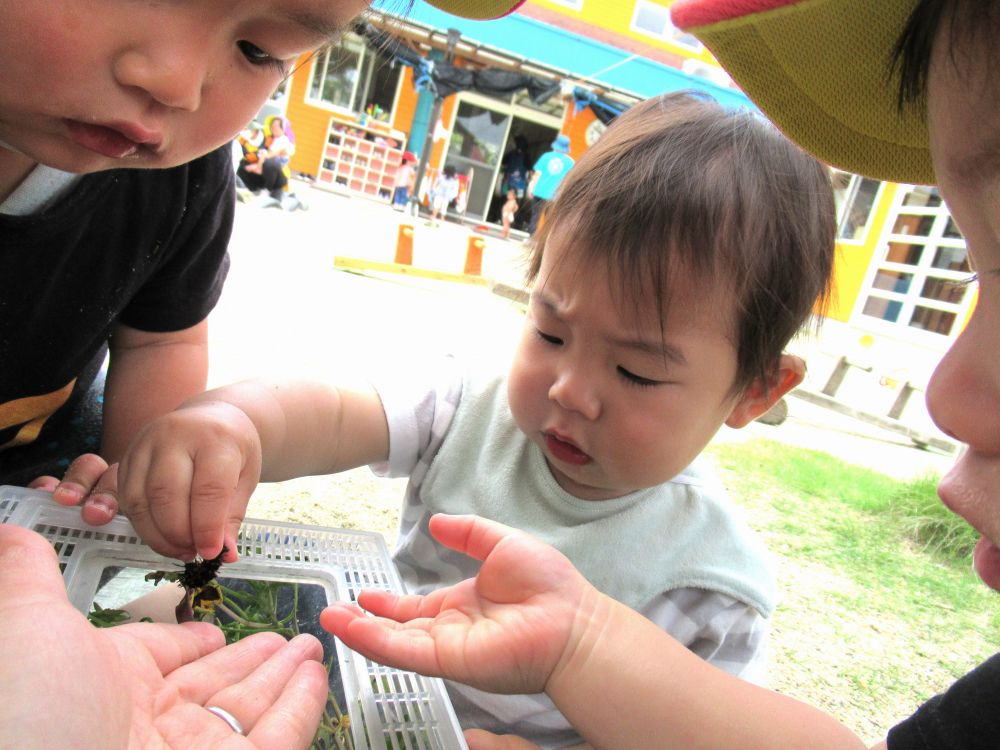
(360, 155)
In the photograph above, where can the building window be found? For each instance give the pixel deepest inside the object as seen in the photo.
(653, 19)
(855, 199)
(350, 76)
(920, 282)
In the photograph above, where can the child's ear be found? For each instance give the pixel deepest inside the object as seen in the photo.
(755, 401)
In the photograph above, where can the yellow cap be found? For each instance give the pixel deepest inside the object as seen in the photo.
(478, 9)
(821, 71)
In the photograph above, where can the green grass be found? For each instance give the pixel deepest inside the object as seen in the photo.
(879, 606)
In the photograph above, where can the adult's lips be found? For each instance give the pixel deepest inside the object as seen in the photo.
(986, 561)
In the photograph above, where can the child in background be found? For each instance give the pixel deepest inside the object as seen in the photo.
(644, 335)
(926, 74)
(403, 182)
(508, 212)
(444, 192)
(116, 206)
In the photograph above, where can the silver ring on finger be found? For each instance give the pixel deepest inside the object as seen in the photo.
(227, 717)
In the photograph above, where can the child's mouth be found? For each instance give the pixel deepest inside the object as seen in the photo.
(102, 139)
(565, 451)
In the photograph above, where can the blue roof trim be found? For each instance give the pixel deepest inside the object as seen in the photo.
(558, 48)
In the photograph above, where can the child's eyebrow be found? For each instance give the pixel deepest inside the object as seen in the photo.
(321, 26)
(658, 348)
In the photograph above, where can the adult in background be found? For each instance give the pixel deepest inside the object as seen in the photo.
(548, 172)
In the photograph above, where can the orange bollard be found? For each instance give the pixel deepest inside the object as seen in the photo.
(404, 245)
(474, 256)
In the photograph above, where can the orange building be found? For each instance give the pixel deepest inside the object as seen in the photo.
(356, 108)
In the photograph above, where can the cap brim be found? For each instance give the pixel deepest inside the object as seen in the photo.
(478, 9)
(821, 71)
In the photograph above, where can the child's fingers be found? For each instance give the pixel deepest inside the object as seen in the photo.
(480, 739)
(214, 497)
(44, 483)
(408, 646)
(101, 504)
(470, 535)
(135, 503)
(394, 606)
(79, 479)
(167, 489)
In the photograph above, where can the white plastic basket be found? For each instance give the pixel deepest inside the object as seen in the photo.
(388, 708)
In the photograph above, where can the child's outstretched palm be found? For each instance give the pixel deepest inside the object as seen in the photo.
(505, 631)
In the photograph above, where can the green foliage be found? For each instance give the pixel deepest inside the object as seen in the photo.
(879, 607)
(101, 617)
(924, 518)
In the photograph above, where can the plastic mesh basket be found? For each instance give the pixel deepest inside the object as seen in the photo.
(388, 708)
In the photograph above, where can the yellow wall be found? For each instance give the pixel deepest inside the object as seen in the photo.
(616, 16)
(853, 259)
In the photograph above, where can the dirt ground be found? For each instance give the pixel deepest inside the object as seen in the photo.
(355, 499)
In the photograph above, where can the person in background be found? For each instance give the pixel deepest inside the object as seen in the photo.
(644, 335)
(445, 190)
(268, 170)
(245, 147)
(403, 181)
(926, 75)
(546, 176)
(508, 212)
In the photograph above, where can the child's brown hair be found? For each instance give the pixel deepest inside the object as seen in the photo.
(679, 182)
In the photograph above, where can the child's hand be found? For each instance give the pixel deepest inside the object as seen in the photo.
(88, 482)
(186, 479)
(505, 631)
(480, 739)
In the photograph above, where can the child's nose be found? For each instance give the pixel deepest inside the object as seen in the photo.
(172, 74)
(574, 391)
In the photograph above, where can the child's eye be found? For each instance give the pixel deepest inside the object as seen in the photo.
(633, 379)
(549, 338)
(256, 56)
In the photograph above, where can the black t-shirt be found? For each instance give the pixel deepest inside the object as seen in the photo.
(141, 246)
(965, 717)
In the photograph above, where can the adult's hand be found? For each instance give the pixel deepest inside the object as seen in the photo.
(69, 684)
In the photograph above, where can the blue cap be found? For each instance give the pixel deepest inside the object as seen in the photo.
(561, 143)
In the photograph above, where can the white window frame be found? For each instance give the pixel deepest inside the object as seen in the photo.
(850, 194)
(670, 33)
(921, 271)
(323, 59)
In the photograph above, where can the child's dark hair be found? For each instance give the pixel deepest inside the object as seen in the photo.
(678, 182)
(449, 171)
